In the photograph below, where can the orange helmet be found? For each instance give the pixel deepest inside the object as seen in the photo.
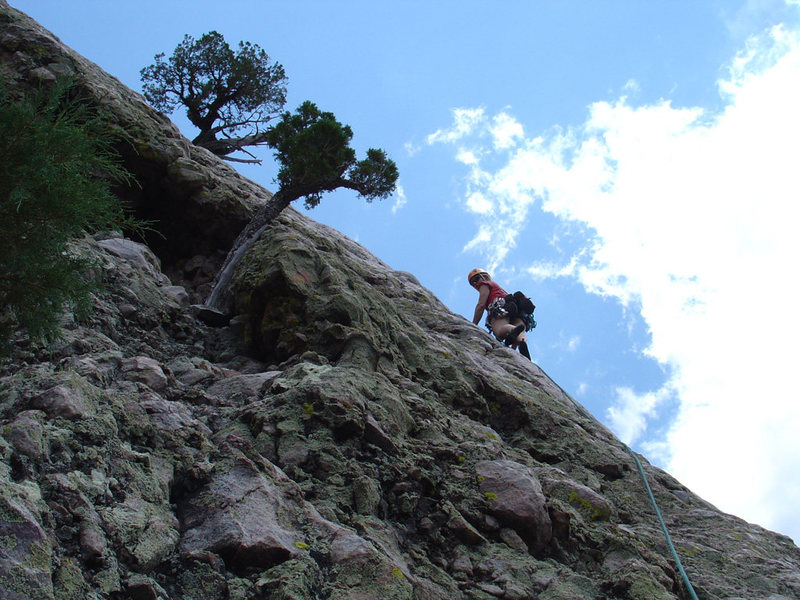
(477, 271)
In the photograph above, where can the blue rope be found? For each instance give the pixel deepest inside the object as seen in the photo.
(661, 522)
(684, 576)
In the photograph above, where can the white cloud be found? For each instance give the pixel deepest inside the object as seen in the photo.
(753, 15)
(566, 343)
(400, 199)
(628, 416)
(467, 157)
(632, 87)
(478, 203)
(412, 148)
(465, 121)
(693, 220)
(505, 131)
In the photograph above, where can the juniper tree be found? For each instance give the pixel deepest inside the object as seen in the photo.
(230, 96)
(57, 168)
(314, 153)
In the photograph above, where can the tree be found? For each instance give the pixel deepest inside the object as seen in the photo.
(314, 152)
(57, 167)
(315, 156)
(229, 96)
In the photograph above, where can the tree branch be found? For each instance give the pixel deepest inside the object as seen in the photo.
(249, 161)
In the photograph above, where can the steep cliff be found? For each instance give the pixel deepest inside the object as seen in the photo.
(346, 436)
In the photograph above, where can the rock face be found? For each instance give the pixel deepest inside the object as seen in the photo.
(208, 203)
(344, 436)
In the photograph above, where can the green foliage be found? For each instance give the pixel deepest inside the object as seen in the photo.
(57, 166)
(229, 93)
(225, 93)
(314, 152)
(375, 176)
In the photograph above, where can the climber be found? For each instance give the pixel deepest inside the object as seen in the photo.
(508, 328)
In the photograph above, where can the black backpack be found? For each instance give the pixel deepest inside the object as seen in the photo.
(520, 306)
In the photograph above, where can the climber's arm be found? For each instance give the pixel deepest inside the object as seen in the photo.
(484, 295)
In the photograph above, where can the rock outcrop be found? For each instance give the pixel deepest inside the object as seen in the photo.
(345, 436)
(197, 203)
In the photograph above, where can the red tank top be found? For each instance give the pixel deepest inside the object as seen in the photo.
(495, 292)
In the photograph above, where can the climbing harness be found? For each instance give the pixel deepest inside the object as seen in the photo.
(513, 306)
(661, 522)
(495, 310)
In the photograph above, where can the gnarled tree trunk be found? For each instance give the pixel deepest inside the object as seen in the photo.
(220, 298)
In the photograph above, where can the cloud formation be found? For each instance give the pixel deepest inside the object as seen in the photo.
(692, 221)
(400, 199)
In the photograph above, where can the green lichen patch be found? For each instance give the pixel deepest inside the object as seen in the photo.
(69, 582)
(595, 512)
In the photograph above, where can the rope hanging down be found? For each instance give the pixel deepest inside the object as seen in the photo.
(661, 522)
(684, 576)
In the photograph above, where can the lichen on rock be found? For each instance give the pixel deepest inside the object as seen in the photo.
(343, 436)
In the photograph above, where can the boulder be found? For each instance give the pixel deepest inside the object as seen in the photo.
(515, 497)
(25, 433)
(591, 504)
(241, 516)
(138, 254)
(239, 389)
(142, 369)
(26, 566)
(63, 401)
(168, 416)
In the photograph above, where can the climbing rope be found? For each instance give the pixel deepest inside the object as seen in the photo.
(661, 522)
(684, 576)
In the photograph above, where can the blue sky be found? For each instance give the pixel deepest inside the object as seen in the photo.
(631, 165)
